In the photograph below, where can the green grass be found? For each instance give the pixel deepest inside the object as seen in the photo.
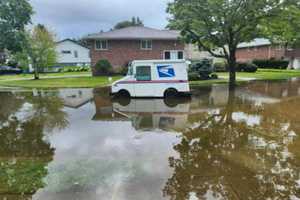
(60, 80)
(266, 74)
(78, 82)
(27, 76)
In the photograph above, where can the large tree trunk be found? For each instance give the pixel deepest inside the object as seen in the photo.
(232, 69)
(36, 73)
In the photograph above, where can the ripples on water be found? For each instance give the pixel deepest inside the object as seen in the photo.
(78, 144)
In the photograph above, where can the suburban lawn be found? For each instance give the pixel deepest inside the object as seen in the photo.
(47, 75)
(266, 74)
(85, 80)
(73, 82)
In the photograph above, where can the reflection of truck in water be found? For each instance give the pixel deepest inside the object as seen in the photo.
(149, 114)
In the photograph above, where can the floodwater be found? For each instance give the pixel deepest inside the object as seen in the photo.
(78, 144)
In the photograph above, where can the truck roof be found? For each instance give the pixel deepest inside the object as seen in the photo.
(159, 61)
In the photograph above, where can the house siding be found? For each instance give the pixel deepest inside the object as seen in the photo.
(260, 52)
(83, 54)
(121, 52)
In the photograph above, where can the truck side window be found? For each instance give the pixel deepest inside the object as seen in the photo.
(143, 73)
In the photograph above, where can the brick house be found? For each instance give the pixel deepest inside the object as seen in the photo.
(121, 46)
(263, 49)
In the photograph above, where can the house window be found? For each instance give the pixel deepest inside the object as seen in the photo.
(101, 45)
(76, 54)
(173, 55)
(180, 55)
(167, 55)
(143, 73)
(66, 52)
(146, 44)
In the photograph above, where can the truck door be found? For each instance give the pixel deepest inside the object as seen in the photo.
(143, 85)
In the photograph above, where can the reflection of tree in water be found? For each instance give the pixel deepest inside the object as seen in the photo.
(227, 158)
(24, 153)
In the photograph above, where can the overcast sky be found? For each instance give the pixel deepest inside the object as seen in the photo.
(76, 18)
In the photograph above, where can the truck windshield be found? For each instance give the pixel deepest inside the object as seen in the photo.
(130, 71)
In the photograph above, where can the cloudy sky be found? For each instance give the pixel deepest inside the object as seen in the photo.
(76, 18)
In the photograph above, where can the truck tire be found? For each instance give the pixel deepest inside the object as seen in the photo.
(123, 94)
(170, 93)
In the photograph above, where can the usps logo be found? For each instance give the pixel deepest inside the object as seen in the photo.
(165, 71)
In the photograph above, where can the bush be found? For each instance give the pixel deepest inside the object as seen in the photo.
(220, 67)
(272, 64)
(12, 63)
(193, 76)
(102, 67)
(214, 76)
(246, 67)
(75, 69)
(124, 70)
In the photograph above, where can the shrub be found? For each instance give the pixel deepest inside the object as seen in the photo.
(214, 76)
(124, 70)
(272, 64)
(193, 76)
(246, 67)
(220, 67)
(12, 63)
(102, 67)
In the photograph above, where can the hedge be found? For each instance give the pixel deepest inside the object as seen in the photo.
(102, 68)
(272, 64)
(240, 67)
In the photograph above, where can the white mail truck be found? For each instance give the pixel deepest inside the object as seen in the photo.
(154, 78)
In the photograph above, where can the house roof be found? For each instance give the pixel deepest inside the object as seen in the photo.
(255, 43)
(70, 40)
(136, 33)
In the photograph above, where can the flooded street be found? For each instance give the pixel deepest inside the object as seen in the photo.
(78, 144)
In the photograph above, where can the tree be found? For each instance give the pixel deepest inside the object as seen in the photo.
(214, 24)
(14, 16)
(40, 48)
(134, 22)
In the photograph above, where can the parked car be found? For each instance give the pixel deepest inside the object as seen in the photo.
(9, 70)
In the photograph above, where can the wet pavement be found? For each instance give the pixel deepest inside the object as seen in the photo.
(79, 144)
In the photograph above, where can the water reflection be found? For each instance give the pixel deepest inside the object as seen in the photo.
(25, 121)
(78, 144)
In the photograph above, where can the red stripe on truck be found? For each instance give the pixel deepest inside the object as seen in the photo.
(158, 81)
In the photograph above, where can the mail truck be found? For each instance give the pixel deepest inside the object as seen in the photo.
(154, 78)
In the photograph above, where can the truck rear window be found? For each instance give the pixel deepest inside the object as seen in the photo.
(143, 73)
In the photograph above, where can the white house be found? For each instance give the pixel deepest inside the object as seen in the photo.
(70, 53)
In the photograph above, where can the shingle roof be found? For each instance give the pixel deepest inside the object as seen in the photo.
(136, 33)
(255, 43)
(67, 39)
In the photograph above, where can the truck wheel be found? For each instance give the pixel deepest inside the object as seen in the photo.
(123, 94)
(170, 93)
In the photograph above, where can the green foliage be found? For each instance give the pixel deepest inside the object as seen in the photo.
(246, 67)
(40, 48)
(223, 24)
(14, 16)
(272, 64)
(12, 63)
(124, 70)
(134, 22)
(102, 68)
(285, 28)
(75, 69)
(194, 76)
(22, 59)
